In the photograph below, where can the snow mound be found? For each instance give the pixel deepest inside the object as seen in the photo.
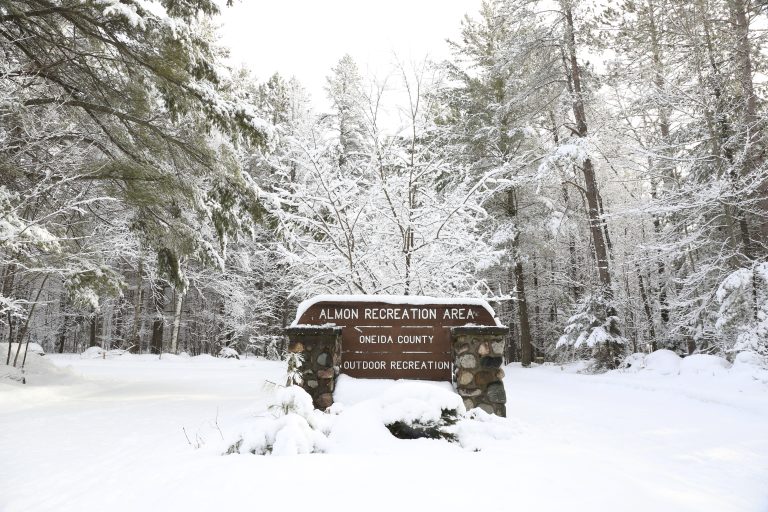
(408, 410)
(479, 430)
(34, 348)
(37, 369)
(288, 424)
(748, 360)
(751, 365)
(93, 353)
(228, 353)
(663, 362)
(703, 364)
(100, 353)
(349, 390)
(204, 357)
(413, 402)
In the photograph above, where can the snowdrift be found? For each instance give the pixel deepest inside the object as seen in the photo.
(37, 368)
(667, 362)
(367, 416)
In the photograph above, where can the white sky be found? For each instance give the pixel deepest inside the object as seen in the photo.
(305, 38)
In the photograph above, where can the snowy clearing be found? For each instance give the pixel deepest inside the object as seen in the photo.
(106, 434)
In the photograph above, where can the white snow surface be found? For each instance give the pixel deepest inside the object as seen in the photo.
(416, 300)
(106, 434)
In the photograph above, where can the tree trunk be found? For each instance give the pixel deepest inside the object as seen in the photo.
(536, 332)
(117, 334)
(159, 321)
(572, 266)
(92, 330)
(646, 307)
(631, 323)
(63, 299)
(667, 169)
(10, 338)
(526, 345)
(135, 342)
(591, 191)
(8, 278)
(176, 322)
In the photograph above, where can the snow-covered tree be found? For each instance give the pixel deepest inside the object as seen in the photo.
(388, 226)
(345, 91)
(743, 313)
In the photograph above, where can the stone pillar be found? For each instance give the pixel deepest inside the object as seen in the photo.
(477, 357)
(321, 349)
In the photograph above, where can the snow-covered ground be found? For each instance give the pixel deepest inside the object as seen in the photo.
(115, 434)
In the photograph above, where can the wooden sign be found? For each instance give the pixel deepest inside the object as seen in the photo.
(395, 337)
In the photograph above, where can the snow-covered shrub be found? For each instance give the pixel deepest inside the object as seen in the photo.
(667, 362)
(291, 399)
(294, 360)
(228, 353)
(378, 412)
(291, 426)
(633, 362)
(93, 353)
(416, 402)
(743, 313)
(749, 360)
(32, 348)
(595, 325)
(663, 362)
(100, 353)
(413, 410)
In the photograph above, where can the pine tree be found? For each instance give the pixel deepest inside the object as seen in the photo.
(345, 92)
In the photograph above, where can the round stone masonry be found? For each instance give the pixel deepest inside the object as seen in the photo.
(320, 347)
(478, 356)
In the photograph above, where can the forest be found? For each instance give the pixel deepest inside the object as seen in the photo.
(598, 173)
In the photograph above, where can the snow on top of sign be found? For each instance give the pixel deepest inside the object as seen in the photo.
(312, 326)
(415, 300)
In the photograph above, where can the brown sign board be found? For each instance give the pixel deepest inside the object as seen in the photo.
(400, 338)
